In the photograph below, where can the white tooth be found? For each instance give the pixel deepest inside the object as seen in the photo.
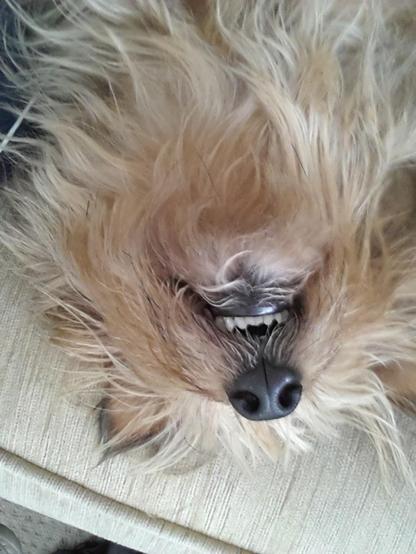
(252, 321)
(241, 322)
(281, 317)
(229, 323)
(255, 321)
(219, 322)
(268, 319)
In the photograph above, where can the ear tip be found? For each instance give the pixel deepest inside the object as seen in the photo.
(108, 437)
(104, 427)
(104, 432)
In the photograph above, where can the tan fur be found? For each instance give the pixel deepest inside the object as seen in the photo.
(203, 141)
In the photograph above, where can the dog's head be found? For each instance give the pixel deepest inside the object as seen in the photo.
(237, 289)
(213, 239)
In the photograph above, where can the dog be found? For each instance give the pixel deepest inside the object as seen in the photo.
(218, 216)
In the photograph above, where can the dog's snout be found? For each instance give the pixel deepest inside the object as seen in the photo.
(266, 392)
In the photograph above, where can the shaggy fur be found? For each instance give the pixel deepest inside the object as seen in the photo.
(192, 151)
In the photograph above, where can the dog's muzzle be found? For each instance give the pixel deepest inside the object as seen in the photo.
(266, 392)
(267, 389)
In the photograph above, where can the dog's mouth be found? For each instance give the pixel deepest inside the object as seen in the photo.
(252, 315)
(255, 324)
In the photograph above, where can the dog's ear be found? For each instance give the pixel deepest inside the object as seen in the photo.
(123, 425)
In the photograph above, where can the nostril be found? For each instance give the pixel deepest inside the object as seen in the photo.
(247, 401)
(289, 396)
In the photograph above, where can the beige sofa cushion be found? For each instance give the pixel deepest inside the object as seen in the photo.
(329, 501)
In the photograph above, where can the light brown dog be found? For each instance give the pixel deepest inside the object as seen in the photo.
(219, 214)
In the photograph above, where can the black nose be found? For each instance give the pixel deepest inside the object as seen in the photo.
(266, 392)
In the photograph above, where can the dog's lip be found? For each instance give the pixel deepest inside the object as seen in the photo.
(247, 310)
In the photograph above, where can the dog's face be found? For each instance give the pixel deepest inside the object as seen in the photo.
(210, 226)
(236, 295)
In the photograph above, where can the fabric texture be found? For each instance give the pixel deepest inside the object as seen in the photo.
(330, 500)
(36, 533)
